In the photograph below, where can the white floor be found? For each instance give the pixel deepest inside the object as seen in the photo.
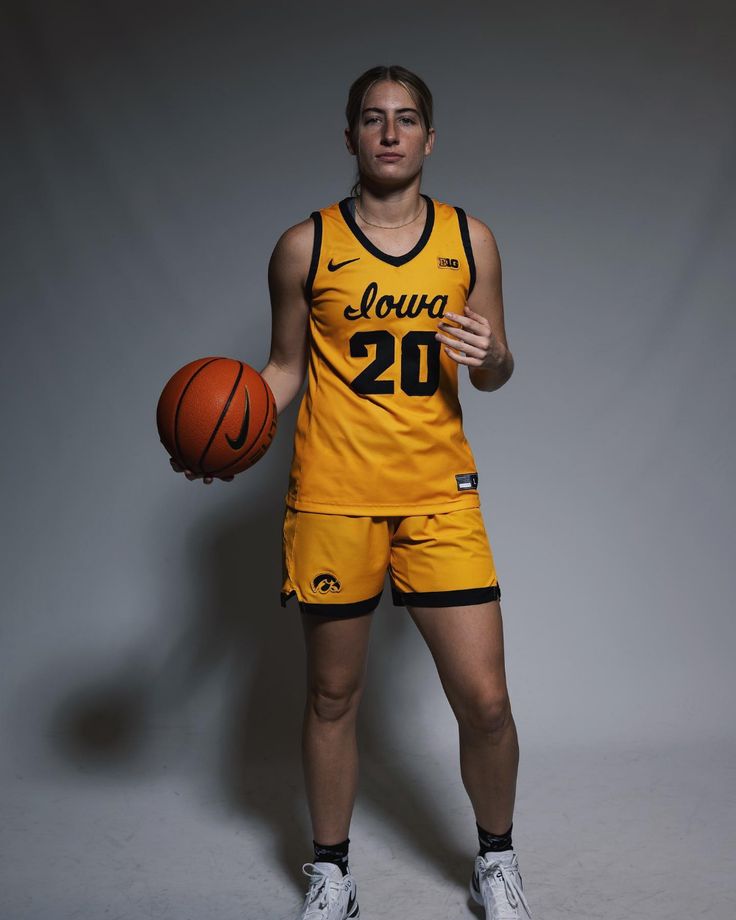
(617, 834)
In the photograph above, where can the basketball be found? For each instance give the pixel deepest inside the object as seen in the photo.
(216, 416)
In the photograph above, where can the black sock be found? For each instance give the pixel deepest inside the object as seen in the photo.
(495, 842)
(336, 853)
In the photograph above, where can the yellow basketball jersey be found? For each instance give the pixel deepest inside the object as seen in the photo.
(379, 429)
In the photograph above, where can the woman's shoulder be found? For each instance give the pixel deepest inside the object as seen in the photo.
(296, 239)
(479, 231)
(292, 254)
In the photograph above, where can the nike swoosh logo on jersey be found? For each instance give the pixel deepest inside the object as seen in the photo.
(333, 266)
(240, 440)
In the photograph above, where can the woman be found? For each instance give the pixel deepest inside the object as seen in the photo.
(380, 297)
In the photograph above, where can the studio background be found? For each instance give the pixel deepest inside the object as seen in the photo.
(152, 685)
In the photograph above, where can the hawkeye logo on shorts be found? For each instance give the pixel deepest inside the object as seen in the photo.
(466, 481)
(447, 263)
(326, 583)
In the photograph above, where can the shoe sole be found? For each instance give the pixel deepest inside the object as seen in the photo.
(354, 913)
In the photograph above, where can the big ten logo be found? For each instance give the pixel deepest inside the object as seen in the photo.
(447, 263)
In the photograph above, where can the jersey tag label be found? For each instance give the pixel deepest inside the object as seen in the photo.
(466, 481)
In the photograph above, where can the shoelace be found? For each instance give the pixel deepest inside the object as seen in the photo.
(321, 887)
(514, 894)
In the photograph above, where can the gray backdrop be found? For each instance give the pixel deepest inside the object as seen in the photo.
(152, 684)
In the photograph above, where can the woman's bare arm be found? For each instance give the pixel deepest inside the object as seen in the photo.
(287, 362)
(287, 276)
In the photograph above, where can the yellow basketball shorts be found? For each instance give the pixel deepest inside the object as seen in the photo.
(336, 564)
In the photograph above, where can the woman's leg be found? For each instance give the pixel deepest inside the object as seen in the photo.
(467, 646)
(337, 650)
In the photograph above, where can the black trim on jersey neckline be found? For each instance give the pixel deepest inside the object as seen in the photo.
(445, 598)
(465, 235)
(379, 253)
(316, 247)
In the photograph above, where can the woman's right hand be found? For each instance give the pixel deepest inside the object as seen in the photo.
(191, 476)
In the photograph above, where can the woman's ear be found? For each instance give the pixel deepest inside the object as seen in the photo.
(429, 143)
(349, 142)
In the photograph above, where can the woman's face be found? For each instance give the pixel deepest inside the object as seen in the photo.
(391, 143)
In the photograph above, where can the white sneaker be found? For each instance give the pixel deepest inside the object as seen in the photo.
(497, 885)
(331, 895)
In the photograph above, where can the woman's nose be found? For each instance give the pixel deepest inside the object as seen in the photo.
(389, 132)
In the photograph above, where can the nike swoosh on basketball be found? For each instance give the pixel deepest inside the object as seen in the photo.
(240, 440)
(333, 266)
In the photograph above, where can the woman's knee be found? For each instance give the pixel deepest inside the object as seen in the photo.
(332, 701)
(485, 712)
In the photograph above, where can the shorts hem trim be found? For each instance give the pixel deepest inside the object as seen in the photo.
(338, 611)
(445, 598)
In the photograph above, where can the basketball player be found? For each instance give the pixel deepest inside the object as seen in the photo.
(380, 298)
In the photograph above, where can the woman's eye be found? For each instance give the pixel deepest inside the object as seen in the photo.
(404, 119)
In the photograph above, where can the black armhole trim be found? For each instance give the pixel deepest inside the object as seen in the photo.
(316, 248)
(465, 235)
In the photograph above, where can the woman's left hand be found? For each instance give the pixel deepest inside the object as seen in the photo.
(479, 346)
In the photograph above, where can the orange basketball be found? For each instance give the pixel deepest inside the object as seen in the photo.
(216, 416)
